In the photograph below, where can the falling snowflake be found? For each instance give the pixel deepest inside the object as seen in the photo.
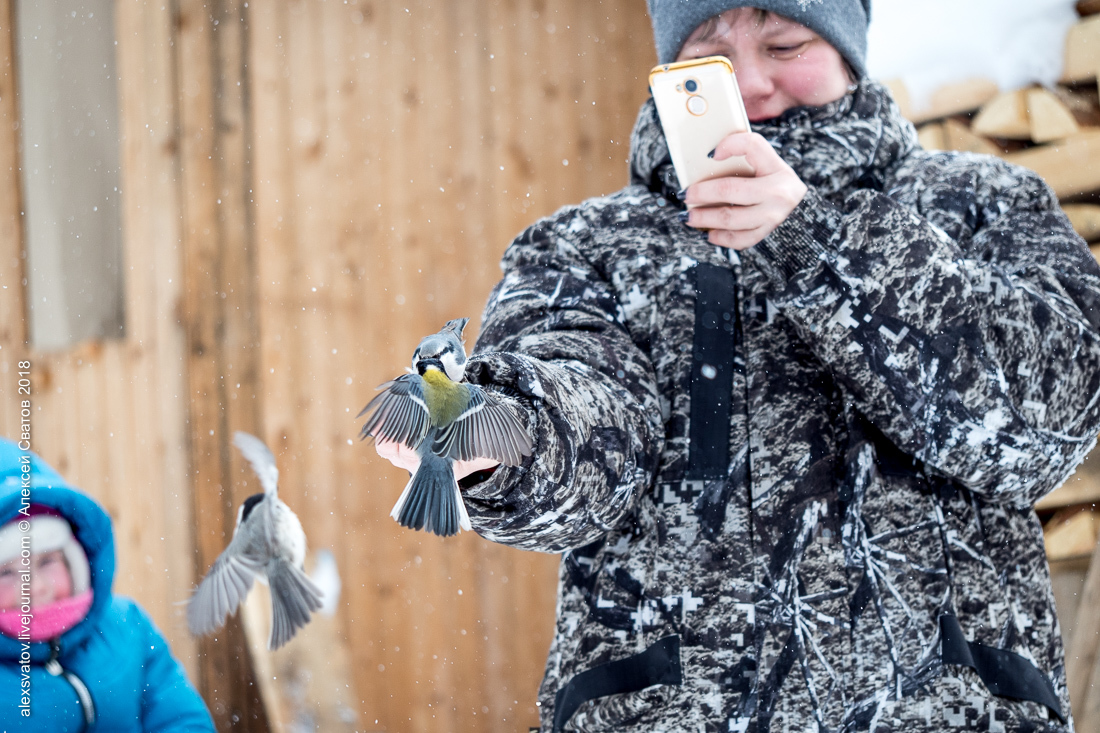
(804, 5)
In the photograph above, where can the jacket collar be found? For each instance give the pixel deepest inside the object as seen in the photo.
(856, 140)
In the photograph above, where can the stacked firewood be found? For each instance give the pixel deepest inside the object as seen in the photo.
(1055, 131)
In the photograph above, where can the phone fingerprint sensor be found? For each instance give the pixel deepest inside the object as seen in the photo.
(697, 105)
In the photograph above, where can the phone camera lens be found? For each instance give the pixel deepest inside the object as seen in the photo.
(691, 85)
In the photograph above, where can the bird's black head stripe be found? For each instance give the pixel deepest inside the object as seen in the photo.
(250, 503)
(423, 364)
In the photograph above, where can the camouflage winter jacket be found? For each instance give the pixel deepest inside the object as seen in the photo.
(793, 486)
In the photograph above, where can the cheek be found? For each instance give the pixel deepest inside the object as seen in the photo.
(815, 79)
(9, 594)
(57, 576)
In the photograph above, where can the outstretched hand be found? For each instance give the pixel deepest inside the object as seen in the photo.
(740, 211)
(405, 457)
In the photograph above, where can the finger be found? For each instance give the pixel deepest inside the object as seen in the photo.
(755, 149)
(388, 449)
(739, 240)
(728, 190)
(734, 218)
(465, 468)
(398, 454)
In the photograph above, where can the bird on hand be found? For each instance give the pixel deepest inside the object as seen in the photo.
(268, 543)
(443, 420)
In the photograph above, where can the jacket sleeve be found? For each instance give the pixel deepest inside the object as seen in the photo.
(555, 342)
(169, 703)
(977, 355)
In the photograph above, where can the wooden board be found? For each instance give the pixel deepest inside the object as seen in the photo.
(1067, 579)
(950, 99)
(155, 376)
(1083, 487)
(13, 328)
(1060, 163)
(1004, 116)
(1085, 645)
(1088, 7)
(1085, 219)
(1048, 117)
(1082, 52)
(1071, 533)
(957, 136)
(931, 136)
(308, 684)
(219, 332)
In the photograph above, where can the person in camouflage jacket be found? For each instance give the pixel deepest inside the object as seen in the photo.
(792, 485)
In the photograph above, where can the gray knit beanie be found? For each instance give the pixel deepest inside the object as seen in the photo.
(843, 23)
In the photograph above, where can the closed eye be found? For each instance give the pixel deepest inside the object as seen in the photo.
(789, 50)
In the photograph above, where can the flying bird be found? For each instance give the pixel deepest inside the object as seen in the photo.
(268, 543)
(433, 412)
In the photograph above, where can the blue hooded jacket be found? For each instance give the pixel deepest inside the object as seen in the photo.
(115, 652)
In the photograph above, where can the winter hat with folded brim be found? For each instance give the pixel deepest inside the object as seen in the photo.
(843, 23)
(48, 531)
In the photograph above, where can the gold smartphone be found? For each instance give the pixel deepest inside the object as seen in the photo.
(699, 104)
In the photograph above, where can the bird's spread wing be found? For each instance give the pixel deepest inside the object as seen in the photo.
(398, 412)
(263, 463)
(487, 429)
(222, 590)
(293, 596)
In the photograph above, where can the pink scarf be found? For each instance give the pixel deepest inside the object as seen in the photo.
(49, 621)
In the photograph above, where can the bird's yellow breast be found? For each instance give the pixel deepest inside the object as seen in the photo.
(446, 399)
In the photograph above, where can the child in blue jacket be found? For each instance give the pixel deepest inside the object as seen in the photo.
(82, 659)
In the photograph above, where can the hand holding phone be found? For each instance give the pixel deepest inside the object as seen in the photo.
(745, 191)
(699, 105)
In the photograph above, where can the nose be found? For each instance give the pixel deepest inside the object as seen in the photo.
(755, 84)
(42, 590)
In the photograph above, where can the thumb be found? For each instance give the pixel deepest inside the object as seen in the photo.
(754, 148)
(398, 454)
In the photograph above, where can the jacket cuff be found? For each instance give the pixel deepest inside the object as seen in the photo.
(798, 243)
(504, 375)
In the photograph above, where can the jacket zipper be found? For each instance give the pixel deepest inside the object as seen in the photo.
(53, 666)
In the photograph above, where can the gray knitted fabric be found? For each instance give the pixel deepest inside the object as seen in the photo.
(843, 23)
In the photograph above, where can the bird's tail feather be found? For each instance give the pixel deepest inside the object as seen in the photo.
(431, 501)
(293, 596)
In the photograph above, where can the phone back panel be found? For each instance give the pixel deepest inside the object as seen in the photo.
(699, 104)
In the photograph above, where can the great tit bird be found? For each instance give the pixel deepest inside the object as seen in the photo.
(269, 544)
(443, 419)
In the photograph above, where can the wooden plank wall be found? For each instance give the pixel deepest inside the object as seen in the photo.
(218, 314)
(397, 148)
(111, 416)
(309, 187)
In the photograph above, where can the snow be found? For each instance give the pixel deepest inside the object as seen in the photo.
(1012, 42)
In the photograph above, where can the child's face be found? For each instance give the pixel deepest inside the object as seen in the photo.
(50, 580)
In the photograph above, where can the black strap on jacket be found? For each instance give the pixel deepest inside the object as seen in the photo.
(711, 372)
(657, 665)
(1005, 673)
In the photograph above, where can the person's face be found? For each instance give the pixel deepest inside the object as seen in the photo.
(779, 64)
(50, 580)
